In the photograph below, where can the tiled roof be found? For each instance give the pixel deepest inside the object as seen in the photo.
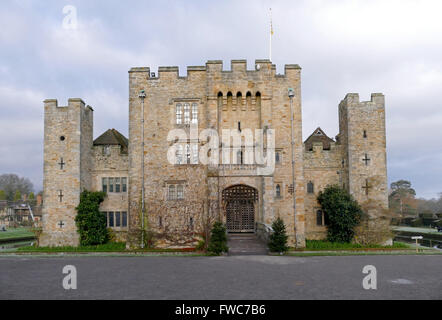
(112, 137)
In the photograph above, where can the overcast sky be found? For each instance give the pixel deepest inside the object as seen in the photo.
(393, 47)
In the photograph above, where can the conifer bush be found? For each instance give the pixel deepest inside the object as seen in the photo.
(278, 239)
(218, 239)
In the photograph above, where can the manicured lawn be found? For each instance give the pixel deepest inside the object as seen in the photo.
(108, 247)
(312, 245)
(17, 233)
(418, 230)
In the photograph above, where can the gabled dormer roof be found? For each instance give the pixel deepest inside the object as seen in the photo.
(318, 136)
(112, 137)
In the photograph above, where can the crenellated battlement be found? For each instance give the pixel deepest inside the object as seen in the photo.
(353, 98)
(72, 103)
(237, 67)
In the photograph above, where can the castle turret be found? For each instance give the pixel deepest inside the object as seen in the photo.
(362, 134)
(68, 135)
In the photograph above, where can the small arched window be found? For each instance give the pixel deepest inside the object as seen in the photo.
(239, 99)
(310, 187)
(249, 98)
(258, 99)
(278, 191)
(365, 133)
(319, 218)
(220, 99)
(229, 99)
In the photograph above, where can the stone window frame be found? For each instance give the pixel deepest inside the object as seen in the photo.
(187, 153)
(324, 220)
(279, 152)
(178, 191)
(281, 193)
(186, 113)
(180, 113)
(122, 187)
(310, 187)
(121, 223)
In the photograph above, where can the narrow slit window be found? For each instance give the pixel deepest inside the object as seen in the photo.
(111, 219)
(194, 113)
(278, 191)
(179, 114)
(104, 184)
(186, 113)
(180, 191)
(124, 219)
(195, 154)
(310, 187)
(117, 219)
(319, 217)
(124, 184)
(171, 192)
(188, 154)
(179, 154)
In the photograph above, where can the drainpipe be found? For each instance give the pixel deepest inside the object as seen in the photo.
(142, 96)
(291, 94)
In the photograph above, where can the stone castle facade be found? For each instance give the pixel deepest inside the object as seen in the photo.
(182, 196)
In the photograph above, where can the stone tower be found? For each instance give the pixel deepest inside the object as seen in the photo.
(68, 135)
(362, 133)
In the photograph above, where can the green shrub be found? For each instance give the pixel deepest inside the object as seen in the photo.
(91, 223)
(218, 239)
(342, 211)
(278, 239)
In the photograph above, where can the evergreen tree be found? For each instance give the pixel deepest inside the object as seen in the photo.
(278, 239)
(218, 239)
(342, 211)
(91, 223)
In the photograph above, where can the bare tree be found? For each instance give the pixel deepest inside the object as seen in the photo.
(11, 183)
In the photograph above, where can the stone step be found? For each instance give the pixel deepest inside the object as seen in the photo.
(245, 244)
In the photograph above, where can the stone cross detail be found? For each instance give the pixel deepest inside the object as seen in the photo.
(60, 195)
(366, 187)
(61, 224)
(62, 163)
(366, 159)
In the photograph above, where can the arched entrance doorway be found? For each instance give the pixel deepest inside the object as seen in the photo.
(239, 201)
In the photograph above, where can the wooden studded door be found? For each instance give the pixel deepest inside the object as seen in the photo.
(240, 208)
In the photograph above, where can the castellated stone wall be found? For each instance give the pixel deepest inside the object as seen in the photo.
(258, 100)
(67, 168)
(237, 99)
(362, 133)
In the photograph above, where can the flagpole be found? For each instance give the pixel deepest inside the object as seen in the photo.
(271, 34)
